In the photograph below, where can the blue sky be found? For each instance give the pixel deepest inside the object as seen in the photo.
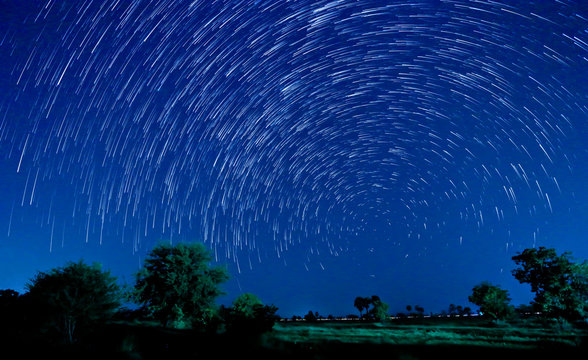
(322, 150)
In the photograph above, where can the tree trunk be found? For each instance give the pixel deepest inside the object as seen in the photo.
(70, 324)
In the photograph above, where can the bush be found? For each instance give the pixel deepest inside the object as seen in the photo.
(249, 316)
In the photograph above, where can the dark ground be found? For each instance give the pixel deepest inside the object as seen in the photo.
(336, 340)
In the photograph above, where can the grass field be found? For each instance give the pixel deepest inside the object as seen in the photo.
(428, 339)
(407, 339)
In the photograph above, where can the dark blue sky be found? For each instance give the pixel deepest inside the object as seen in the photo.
(322, 150)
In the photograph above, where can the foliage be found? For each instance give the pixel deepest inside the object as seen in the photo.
(378, 311)
(8, 297)
(492, 300)
(9, 309)
(311, 317)
(559, 284)
(245, 305)
(361, 304)
(74, 296)
(458, 310)
(8, 302)
(177, 285)
(249, 315)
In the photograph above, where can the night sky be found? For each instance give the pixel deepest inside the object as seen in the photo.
(322, 150)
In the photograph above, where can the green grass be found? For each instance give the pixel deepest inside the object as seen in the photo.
(448, 332)
(434, 338)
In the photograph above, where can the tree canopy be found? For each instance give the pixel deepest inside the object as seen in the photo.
(378, 310)
(492, 300)
(361, 304)
(560, 285)
(75, 295)
(246, 304)
(178, 286)
(249, 315)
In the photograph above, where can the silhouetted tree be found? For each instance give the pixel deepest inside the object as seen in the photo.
(560, 285)
(361, 304)
(177, 285)
(8, 301)
(419, 309)
(75, 297)
(377, 312)
(10, 311)
(8, 297)
(492, 300)
(311, 317)
(452, 309)
(409, 308)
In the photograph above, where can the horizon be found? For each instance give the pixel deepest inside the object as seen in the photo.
(226, 299)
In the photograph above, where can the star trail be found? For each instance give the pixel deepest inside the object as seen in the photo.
(295, 137)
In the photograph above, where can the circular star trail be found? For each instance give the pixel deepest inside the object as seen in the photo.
(262, 126)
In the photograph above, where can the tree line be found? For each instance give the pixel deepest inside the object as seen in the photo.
(559, 283)
(175, 288)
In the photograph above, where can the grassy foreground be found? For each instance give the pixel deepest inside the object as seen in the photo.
(426, 339)
(410, 339)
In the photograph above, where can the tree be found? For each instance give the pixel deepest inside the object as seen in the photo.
(8, 297)
(10, 311)
(177, 286)
(361, 304)
(409, 308)
(246, 304)
(492, 300)
(419, 309)
(249, 315)
(560, 285)
(379, 310)
(310, 316)
(75, 296)
(452, 309)
(8, 302)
